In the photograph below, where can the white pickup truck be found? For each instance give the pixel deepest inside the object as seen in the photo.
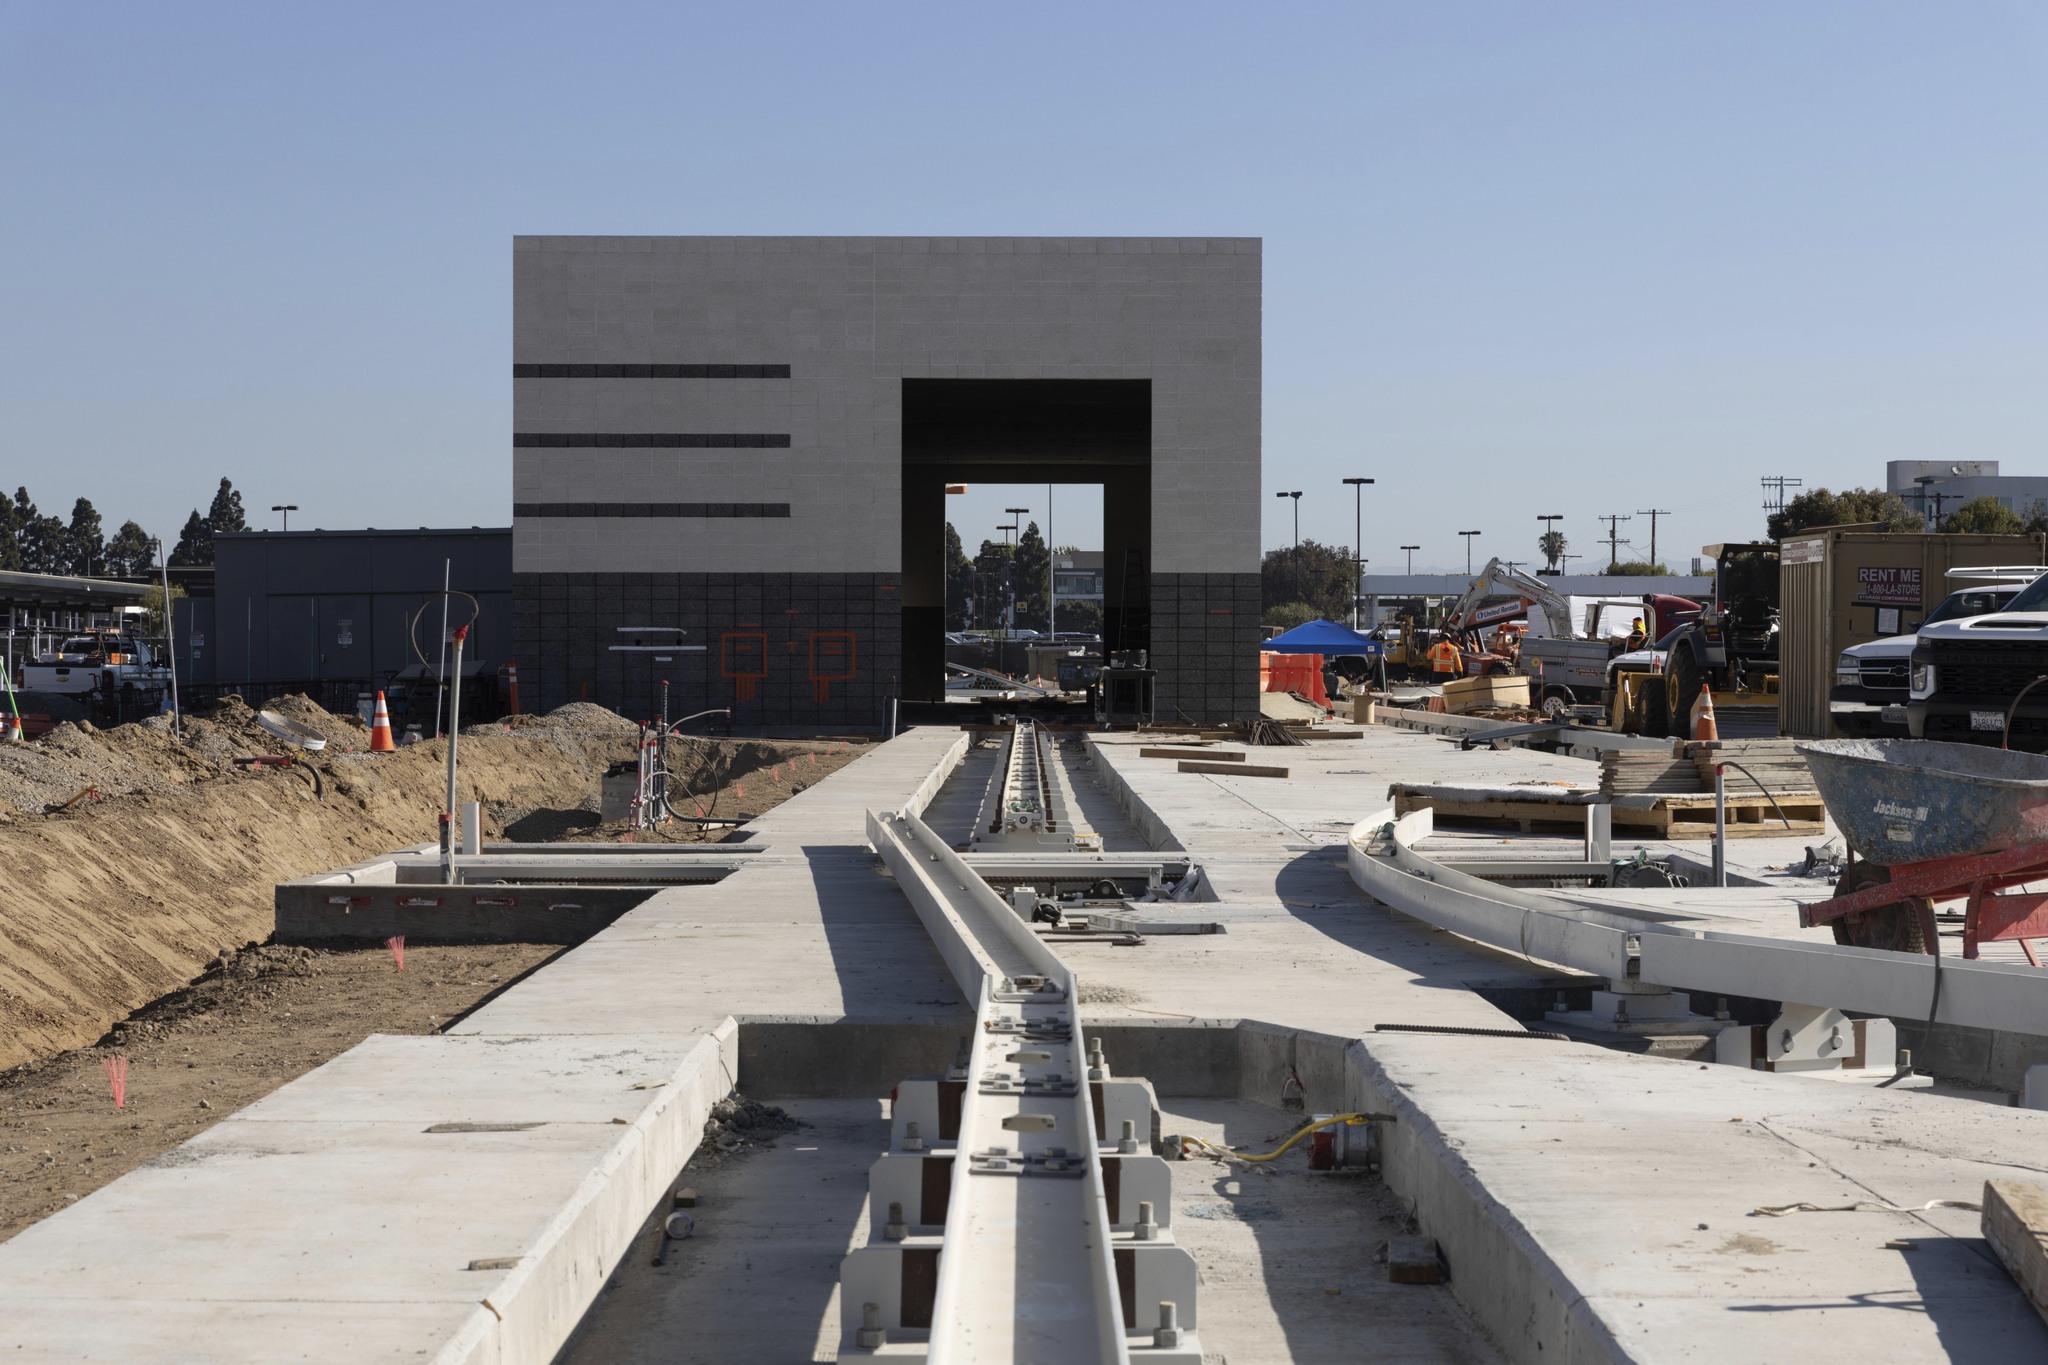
(96, 663)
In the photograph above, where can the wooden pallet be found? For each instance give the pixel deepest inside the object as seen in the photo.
(1670, 817)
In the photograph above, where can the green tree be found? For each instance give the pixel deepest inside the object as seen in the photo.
(1851, 507)
(991, 596)
(1079, 616)
(1553, 544)
(84, 544)
(1029, 567)
(225, 514)
(1312, 574)
(959, 580)
(195, 542)
(153, 603)
(1288, 615)
(1636, 568)
(1984, 516)
(10, 543)
(129, 553)
(38, 540)
(2037, 519)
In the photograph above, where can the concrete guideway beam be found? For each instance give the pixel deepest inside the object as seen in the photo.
(1028, 1262)
(1385, 864)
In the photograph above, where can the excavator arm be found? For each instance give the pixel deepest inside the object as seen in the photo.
(1468, 613)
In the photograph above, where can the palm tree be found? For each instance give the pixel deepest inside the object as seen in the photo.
(1553, 544)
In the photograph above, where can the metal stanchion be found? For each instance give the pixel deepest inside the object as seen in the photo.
(1720, 826)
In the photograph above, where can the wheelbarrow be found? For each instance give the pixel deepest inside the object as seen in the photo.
(1933, 822)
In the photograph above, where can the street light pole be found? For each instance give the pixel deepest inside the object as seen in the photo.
(1411, 549)
(1358, 538)
(287, 508)
(1468, 550)
(1296, 495)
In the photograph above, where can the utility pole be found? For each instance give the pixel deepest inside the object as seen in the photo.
(1614, 540)
(1774, 491)
(1468, 550)
(1411, 549)
(1358, 536)
(1653, 513)
(1296, 495)
(1926, 482)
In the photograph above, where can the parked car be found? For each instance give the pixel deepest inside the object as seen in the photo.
(1871, 692)
(1973, 677)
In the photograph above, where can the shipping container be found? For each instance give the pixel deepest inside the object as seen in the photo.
(1841, 586)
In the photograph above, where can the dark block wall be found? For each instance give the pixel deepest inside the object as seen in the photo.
(779, 649)
(1205, 645)
(823, 649)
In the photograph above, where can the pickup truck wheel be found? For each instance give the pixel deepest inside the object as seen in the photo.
(1894, 928)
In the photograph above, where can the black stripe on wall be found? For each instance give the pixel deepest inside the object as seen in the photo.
(649, 440)
(650, 371)
(650, 509)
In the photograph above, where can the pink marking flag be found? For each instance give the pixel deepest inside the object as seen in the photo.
(813, 756)
(117, 1078)
(396, 943)
(741, 788)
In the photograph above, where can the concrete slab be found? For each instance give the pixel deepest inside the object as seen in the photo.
(332, 1192)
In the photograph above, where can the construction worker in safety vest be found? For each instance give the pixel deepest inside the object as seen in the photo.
(1444, 657)
(1637, 635)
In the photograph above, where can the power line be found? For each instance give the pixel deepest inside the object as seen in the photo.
(1614, 540)
(1653, 513)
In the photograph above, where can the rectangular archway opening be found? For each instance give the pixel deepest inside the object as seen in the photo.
(1026, 433)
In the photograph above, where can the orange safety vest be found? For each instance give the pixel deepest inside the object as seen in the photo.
(1444, 658)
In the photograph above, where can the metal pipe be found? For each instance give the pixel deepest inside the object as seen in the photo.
(170, 641)
(441, 667)
(448, 808)
(1720, 826)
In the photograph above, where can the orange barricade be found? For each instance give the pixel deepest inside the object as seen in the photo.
(1300, 673)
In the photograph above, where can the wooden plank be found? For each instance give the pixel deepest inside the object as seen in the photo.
(1746, 820)
(1306, 733)
(2016, 1225)
(1188, 751)
(1234, 769)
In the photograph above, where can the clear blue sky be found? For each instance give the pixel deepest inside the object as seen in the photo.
(1576, 258)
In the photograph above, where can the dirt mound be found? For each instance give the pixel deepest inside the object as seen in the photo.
(119, 899)
(115, 901)
(738, 1123)
(590, 717)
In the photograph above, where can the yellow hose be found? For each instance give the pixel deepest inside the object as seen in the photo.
(1354, 1120)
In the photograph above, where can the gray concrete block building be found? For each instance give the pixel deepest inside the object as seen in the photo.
(730, 457)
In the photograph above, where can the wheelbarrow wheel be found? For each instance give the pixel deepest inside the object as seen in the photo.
(1895, 928)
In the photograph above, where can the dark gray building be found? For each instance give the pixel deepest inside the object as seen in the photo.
(328, 609)
(730, 457)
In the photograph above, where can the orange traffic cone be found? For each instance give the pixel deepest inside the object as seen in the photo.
(380, 730)
(1703, 727)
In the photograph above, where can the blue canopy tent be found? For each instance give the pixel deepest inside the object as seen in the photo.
(1322, 637)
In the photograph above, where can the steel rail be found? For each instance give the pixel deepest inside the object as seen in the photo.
(1386, 866)
(1027, 1273)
